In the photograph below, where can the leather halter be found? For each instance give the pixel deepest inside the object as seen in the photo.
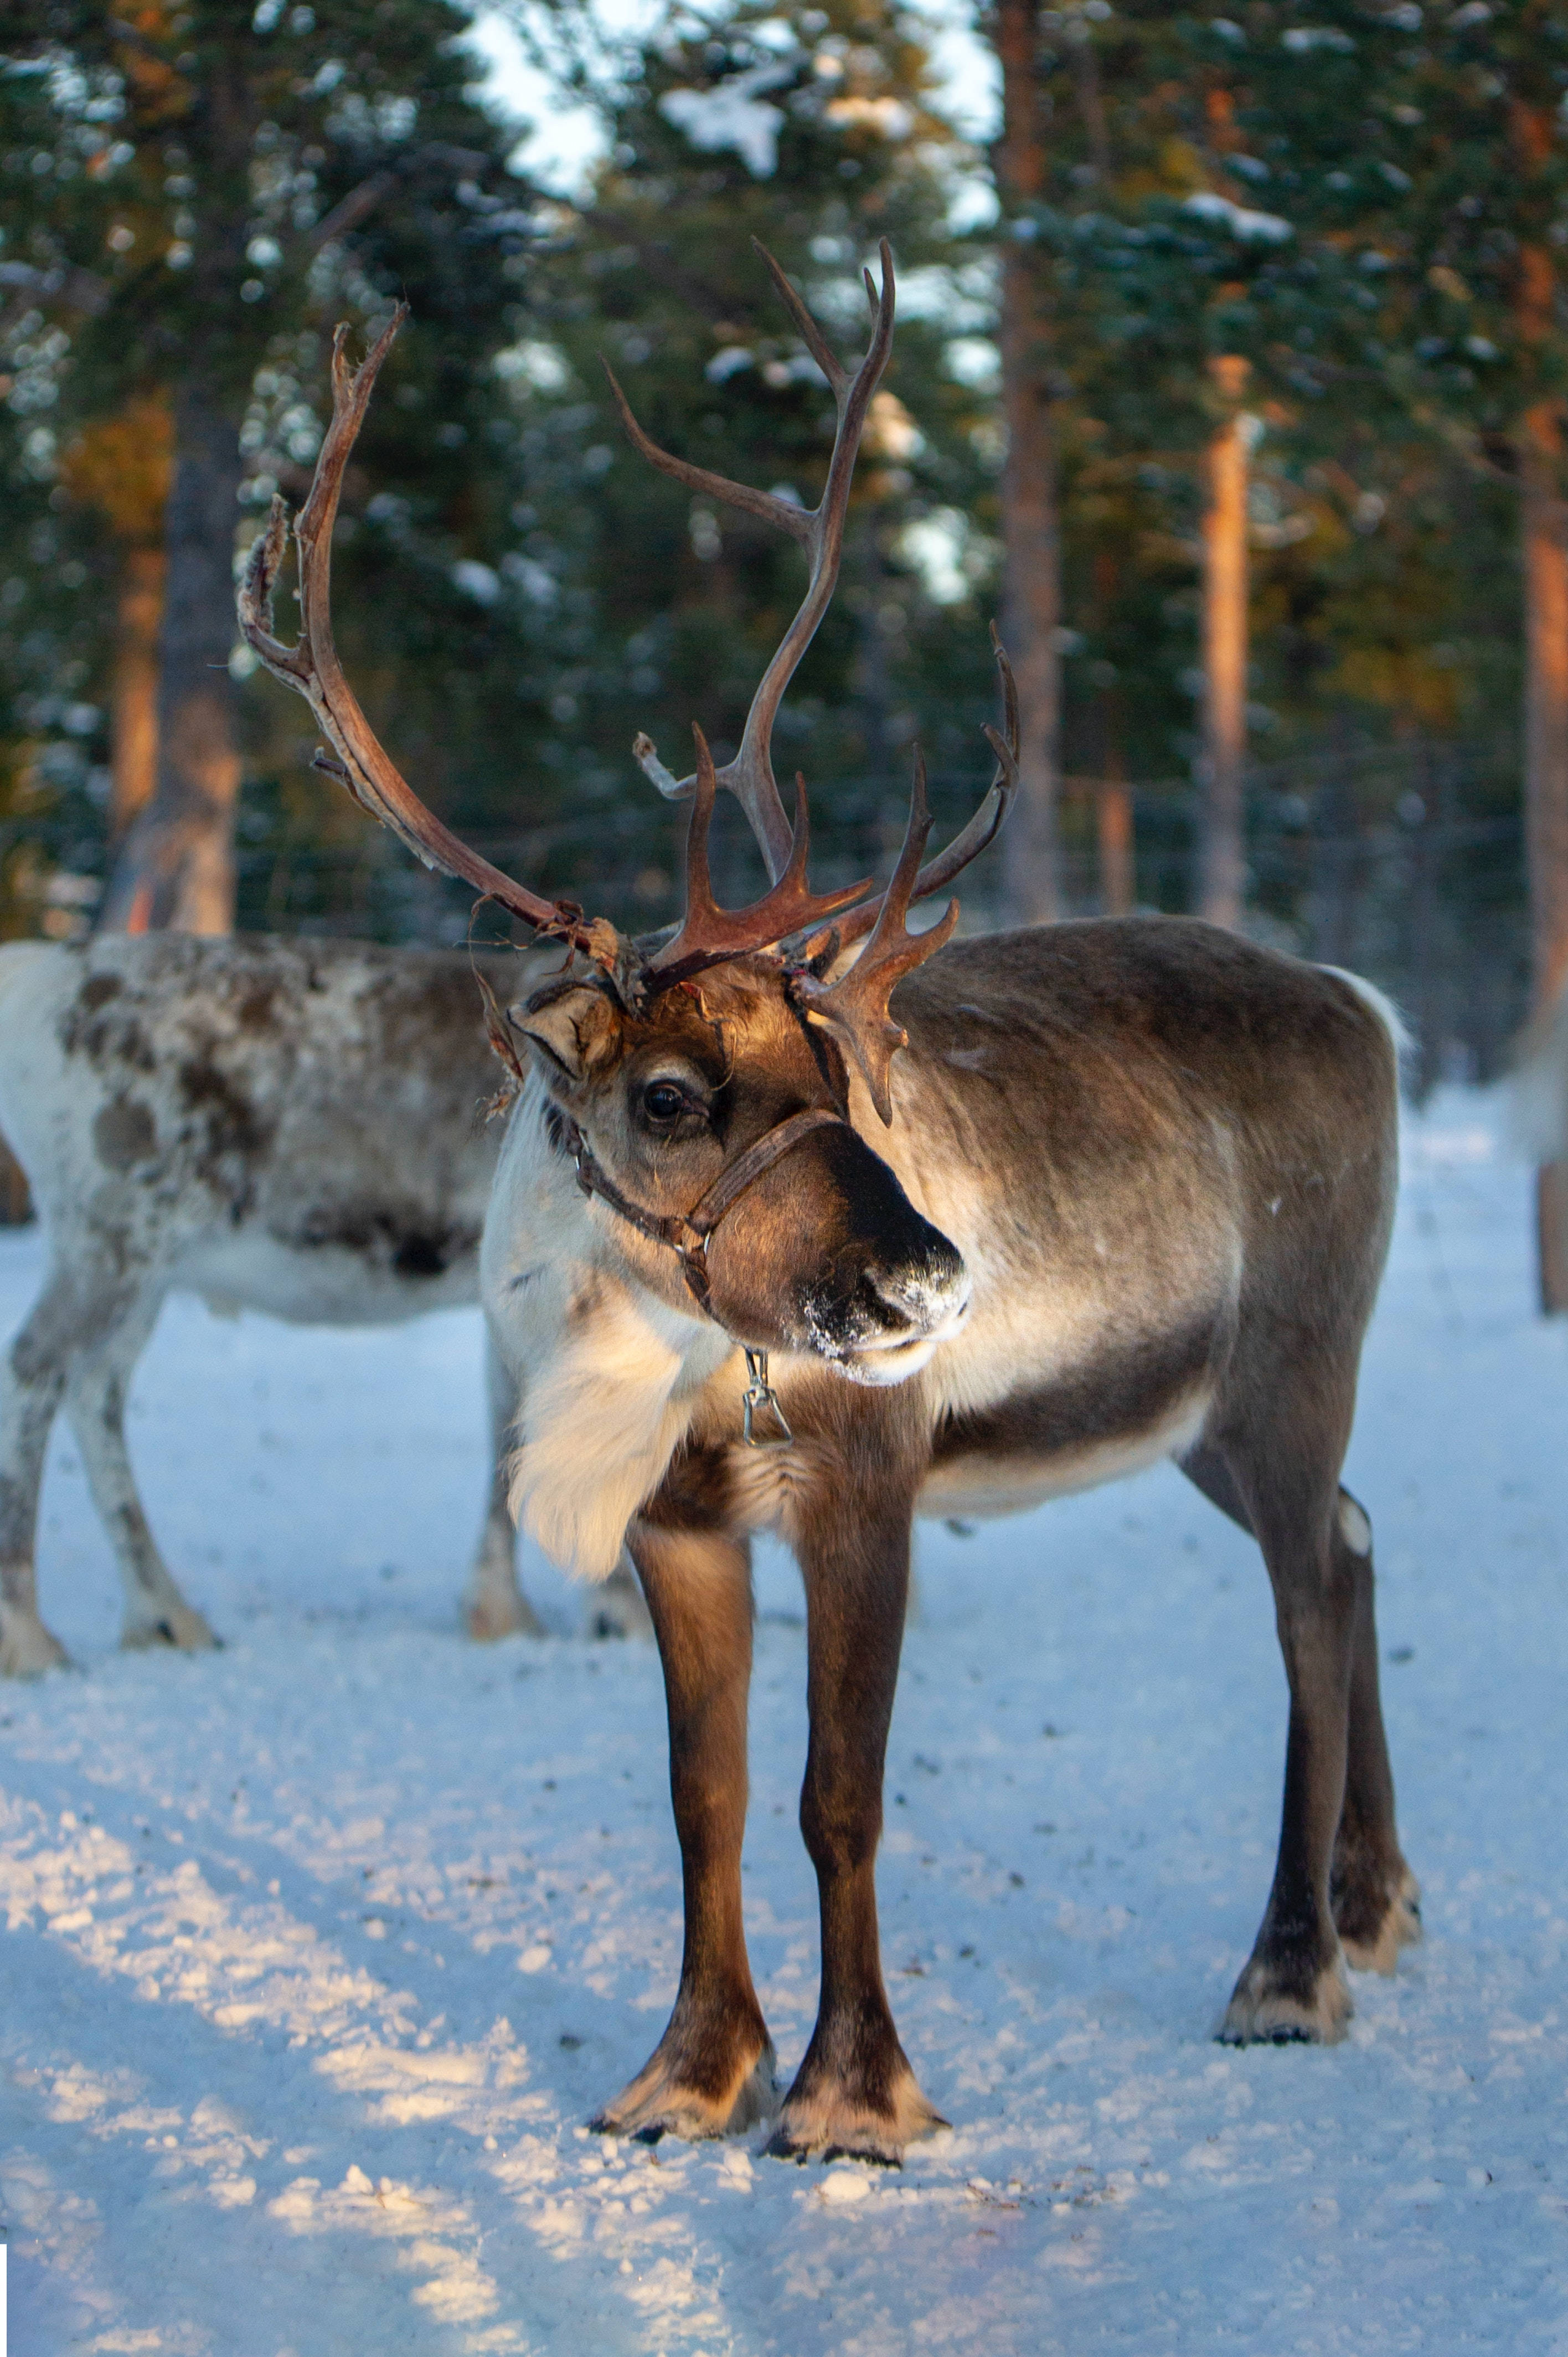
(687, 1232)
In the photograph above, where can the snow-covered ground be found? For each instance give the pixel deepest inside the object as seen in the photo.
(322, 1950)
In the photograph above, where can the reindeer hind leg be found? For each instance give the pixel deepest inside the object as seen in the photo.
(32, 1379)
(157, 1613)
(1376, 1898)
(1283, 1463)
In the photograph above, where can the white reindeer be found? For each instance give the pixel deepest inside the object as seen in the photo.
(294, 1127)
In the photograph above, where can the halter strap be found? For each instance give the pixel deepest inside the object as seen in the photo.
(687, 1232)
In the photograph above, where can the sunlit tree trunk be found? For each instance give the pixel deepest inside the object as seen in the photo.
(1030, 526)
(120, 466)
(1544, 535)
(1113, 797)
(176, 870)
(133, 710)
(1114, 817)
(1221, 832)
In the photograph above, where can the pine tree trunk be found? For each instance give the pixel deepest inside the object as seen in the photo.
(1543, 536)
(1113, 814)
(1544, 533)
(1221, 833)
(176, 870)
(134, 717)
(1030, 527)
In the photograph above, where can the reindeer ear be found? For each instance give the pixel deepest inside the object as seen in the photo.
(576, 1029)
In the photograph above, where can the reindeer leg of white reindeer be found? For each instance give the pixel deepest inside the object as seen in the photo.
(32, 1377)
(493, 1603)
(156, 1611)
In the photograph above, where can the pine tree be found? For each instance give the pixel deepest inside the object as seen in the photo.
(1478, 327)
(1031, 491)
(241, 174)
(808, 127)
(1193, 254)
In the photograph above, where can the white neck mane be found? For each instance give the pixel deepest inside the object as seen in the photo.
(608, 1373)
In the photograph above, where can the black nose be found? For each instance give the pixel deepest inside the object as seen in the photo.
(871, 1300)
(917, 1294)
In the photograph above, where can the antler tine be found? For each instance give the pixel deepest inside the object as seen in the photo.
(255, 599)
(812, 336)
(901, 886)
(820, 530)
(796, 521)
(855, 1007)
(702, 909)
(709, 934)
(311, 667)
(982, 828)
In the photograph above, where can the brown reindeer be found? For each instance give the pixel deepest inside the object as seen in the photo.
(988, 1220)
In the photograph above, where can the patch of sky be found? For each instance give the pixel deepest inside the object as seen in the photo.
(561, 141)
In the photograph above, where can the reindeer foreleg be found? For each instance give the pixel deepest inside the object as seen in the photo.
(712, 2072)
(854, 2092)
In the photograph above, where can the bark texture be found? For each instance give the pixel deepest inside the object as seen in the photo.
(1113, 818)
(1222, 834)
(1543, 531)
(175, 871)
(1030, 525)
(134, 717)
(1544, 536)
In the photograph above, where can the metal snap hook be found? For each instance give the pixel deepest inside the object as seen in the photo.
(760, 1394)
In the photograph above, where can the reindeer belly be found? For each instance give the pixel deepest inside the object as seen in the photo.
(1074, 1431)
(381, 1278)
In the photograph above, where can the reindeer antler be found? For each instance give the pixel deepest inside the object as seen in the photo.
(819, 530)
(710, 934)
(311, 666)
(855, 1009)
(982, 827)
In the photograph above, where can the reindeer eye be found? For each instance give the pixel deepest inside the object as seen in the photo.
(663, 1101)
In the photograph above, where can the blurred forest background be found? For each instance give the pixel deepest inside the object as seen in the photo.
(1231, 378)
